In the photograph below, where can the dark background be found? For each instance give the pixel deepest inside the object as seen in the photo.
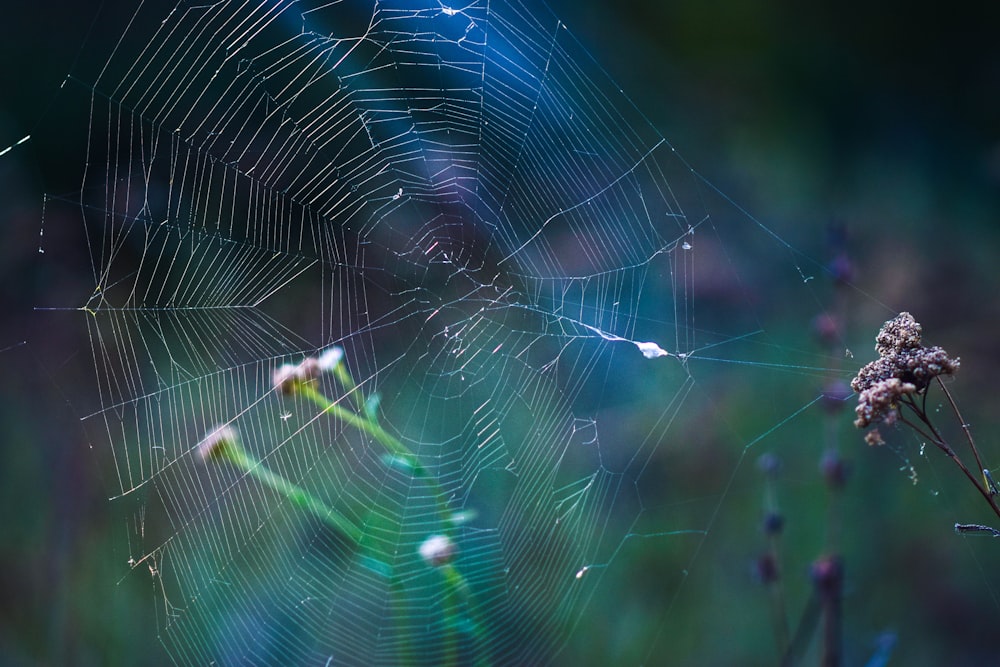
(880, 117)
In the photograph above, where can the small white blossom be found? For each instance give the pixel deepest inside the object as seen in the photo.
(330, 358)
(214, 445)
(285, 377)
(308, 370)
(437, 550)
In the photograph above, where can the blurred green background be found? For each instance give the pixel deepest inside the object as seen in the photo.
(879, 119)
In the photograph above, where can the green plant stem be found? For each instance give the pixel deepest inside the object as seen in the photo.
(457, 588)
(386, 439)
(396, 591)
(294, 493)
(350, 387)
(450, 621)
(459, 592)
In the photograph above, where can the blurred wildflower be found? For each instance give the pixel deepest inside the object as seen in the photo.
(769, 464)
(773, 523)
(842, 268)
(766, 569)
(835, 469)
(827, 574)
(285, 377)
(835, 395)
(827, 327)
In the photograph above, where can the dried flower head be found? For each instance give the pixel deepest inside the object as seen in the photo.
(880, 402)
(874, 438)
(905, 367)
(900, 333)
(437, 550)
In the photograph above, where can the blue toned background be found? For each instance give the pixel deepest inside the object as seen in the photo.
(882, 121)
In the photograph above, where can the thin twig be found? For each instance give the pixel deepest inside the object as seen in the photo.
(943, 445)
(964, 424)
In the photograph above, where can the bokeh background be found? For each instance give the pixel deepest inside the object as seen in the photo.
(862, 130)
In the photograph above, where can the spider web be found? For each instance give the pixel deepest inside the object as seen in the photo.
(507, 253)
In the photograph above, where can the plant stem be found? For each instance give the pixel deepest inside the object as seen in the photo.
(294, 493)
(829, 575)
(803, 631)
(351, 388)
(939, 441)
(459, 592)
(457, 589)
(386, 439)
(965, 427)
(779, 615)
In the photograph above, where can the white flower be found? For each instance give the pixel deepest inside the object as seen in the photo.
(214, 445)
(437, 550)
(285, 377)
(330, 358)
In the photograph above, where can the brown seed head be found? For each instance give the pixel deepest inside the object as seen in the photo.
(880, 401)
(900, 333)
(904, 367)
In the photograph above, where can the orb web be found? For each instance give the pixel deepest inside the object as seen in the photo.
(500, 248)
